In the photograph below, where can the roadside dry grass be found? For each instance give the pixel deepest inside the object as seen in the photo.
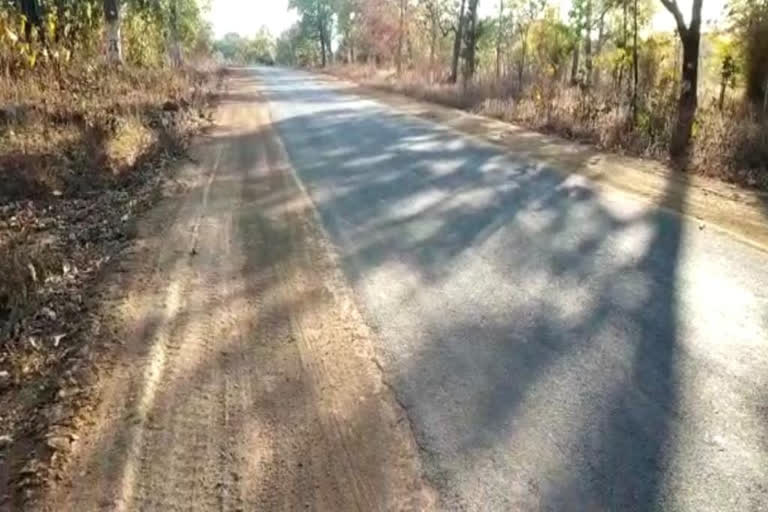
(82, 152)
(731, 145)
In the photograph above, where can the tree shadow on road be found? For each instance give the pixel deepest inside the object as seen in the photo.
(516, 307)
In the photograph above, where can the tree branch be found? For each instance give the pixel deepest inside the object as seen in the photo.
(673, 8)
(696, 16)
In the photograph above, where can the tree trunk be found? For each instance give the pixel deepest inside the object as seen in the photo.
(765, 97)
(588, 45)
(575, 62)
(499, 39)
(112, 18)
(322, 51)
(175, 43)
(600, 41)
(523, 55)
(432, 48)
(756, 53)
(321, 32)
(624, 42)
(688, 102)
(31, 10)
(721, 99)
(469, 71)
(401, 37)
(635, 70)
(690, 38)
(459, 33)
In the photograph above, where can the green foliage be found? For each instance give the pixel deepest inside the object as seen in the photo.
(316, 22)
(61, 30)
(258, 49)
(749, 21)
(296, 48)
(552, 41)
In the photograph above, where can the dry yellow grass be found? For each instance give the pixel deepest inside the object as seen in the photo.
(731, 145)
(71, 145)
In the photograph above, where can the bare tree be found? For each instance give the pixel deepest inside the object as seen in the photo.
(499, 39)
(112, 18)
(458, 36)
(471, 43)
(401, 36)
(588, 43)
(635, 60)
(690, 37)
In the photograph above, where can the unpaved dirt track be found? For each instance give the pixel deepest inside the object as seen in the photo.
(557, 347)
(247, 380)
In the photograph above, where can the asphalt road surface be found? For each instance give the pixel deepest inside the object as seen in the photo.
(555, 348)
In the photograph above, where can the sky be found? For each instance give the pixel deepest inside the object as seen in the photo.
(246, 17)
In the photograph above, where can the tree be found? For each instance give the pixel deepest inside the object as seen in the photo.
(588, 20)
(346, 16)
(401, 36)
(256, 50)
(726, 78)
(175, 42)
(750, 22)
(458, 32)
(552, 42)
(296, 47)
(690, 37)
(137, 32)
(379, 26)
(472, 36)
(112, 18)
(529, 11)
(577, 16)
(434, 12)
(31, 11)
(635, 71)
(499, 38)
(317, 19)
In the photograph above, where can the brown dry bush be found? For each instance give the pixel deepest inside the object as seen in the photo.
(731, 145)
(81, 151)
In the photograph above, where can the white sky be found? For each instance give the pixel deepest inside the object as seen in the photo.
(247, 16)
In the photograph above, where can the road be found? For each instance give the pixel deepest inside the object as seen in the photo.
(342, 307)
(556, 348)
(243, 377)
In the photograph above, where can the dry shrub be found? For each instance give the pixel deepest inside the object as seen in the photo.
(732, 145)
(66, 132)
(72, 148)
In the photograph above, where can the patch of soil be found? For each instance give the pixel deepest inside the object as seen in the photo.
(54, 246)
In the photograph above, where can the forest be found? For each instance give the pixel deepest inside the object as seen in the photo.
(592, 70)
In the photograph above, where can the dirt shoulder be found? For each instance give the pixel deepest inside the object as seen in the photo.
(67, 217)
(245, 377)
(740, 212)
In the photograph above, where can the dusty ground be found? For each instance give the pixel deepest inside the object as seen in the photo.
(246, 379)
(80, 159)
